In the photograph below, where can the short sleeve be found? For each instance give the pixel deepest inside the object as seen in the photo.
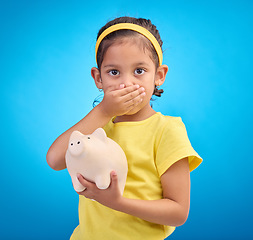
(173, 145)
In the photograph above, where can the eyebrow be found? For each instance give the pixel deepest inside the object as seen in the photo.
(110, 65)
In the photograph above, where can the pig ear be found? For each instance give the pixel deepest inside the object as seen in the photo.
(75, 134)
(100, 134)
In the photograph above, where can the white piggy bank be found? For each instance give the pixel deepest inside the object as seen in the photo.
(95, 156)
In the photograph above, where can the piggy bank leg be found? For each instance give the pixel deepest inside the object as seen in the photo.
(103, 181)
(77, 185)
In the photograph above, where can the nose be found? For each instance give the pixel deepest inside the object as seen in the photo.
(76, 147)
(127, 80)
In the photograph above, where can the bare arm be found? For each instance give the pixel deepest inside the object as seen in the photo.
(115, 102)
(172, 210)
(92, 121)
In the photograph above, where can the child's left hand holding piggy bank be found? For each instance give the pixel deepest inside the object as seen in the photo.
(110, 197)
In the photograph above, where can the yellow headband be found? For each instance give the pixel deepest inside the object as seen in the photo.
(136, 28)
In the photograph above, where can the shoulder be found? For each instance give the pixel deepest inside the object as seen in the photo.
(172, 133)
(169, 120)
(170, 124)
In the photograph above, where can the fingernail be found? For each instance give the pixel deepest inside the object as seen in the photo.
(114, 173)
(122, 85)
(142, 89)
(137, 86)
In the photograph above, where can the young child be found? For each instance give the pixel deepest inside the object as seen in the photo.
(160, 157)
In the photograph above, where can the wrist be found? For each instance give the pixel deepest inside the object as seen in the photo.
(120, 204)
(102, 110)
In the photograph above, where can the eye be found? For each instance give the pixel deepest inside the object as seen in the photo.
(78, 142)
(139, 71)
(114, 72)
(88, 137)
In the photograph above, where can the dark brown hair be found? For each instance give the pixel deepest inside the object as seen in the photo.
(112, 37)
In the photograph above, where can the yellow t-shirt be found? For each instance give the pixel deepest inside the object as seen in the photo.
(151, 147)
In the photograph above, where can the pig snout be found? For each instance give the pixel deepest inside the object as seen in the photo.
(76, 147)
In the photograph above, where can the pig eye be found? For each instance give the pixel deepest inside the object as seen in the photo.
(88, 137)
(71, 144)
(78, 142)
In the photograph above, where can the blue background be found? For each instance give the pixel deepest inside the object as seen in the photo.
(46, 52)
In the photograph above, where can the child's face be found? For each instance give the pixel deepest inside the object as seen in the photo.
(128, 63)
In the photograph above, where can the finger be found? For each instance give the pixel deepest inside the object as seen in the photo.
(135, 101)
(130, 88)
(118, 87)
(123, 89)
(83, 181)
(114, 179)
(130, 95)
(136, 95)
(121, 86)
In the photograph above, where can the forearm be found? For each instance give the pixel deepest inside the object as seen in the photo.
(115, 102)
(56, 153)
(164, 211)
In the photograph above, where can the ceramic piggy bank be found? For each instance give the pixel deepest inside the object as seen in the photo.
(95, 156)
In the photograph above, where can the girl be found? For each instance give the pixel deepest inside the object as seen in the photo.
(160, 157)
